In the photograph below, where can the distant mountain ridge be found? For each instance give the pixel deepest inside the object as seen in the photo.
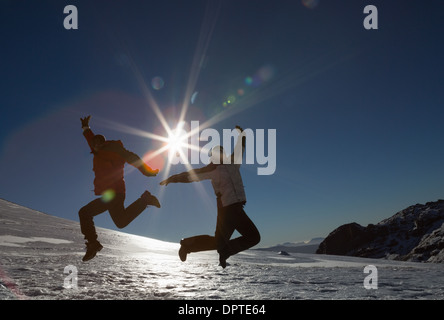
(303, 243)
(413, 234)
(297, 247)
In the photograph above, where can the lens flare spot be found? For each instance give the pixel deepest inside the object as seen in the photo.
(108, 195)
(154, 160)
(241, 92)
(193, 97)
(310, 4)
(248, 81)
(231, 99)
(157, 83)
(266, 73)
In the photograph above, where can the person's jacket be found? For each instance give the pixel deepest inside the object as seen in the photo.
(225, 178)
(108, 164)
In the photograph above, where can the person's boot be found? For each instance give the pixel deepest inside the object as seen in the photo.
(92, 247)
(223, 256)
(150, 199)
(183, 251)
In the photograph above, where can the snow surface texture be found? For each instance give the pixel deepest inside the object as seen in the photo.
(35, 249)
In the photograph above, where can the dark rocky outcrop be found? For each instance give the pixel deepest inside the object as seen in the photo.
(413, 234)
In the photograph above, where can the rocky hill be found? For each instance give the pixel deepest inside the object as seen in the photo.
(413, 234)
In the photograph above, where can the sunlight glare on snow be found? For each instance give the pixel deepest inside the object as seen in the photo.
(139, 244)
(15, 241)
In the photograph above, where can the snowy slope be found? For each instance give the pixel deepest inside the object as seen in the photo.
(35, 249)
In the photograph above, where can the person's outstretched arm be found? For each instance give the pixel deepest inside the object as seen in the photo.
(132, 158)
(239, 148)
(87, 132)
(191, 176)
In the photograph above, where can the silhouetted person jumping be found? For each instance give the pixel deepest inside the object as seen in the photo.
(229, 189)
(108, 163)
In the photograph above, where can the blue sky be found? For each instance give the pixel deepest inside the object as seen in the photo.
(358, 113)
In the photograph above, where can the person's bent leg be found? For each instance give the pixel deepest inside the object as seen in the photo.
(196, 244)
(121, 216)
(86, 215)
(250, 235)
(88, 229)
(224, 230)
(199, 243)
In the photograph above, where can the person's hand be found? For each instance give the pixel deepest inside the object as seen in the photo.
(151, 172)
(85, 121)
(164, 182)
(240, 129)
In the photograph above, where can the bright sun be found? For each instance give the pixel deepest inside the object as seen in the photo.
(174, 144)
(177, 140)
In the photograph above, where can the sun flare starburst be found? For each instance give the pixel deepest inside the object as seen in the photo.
(177, 140)
(266, 84)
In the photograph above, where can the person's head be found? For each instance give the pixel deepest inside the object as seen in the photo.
(97, 141)
(217, 155)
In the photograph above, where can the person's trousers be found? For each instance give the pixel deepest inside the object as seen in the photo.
(229, 219)
(121, 216)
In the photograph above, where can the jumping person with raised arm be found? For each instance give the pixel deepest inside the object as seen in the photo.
(229, 189)
(108, 163)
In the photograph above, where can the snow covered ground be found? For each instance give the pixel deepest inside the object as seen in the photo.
(40, 256)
